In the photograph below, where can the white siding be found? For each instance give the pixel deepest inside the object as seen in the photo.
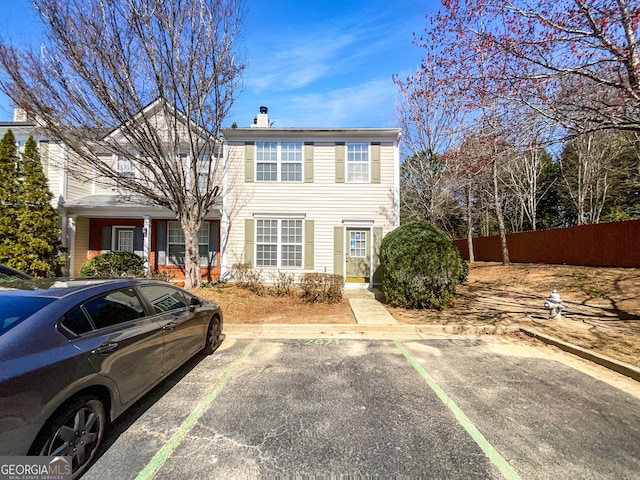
(324, 201)
(78, 180)
(81, 244)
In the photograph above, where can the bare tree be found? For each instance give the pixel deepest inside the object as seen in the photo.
(149, 81)
(429, 122)
(497, 155)
(468, 169)
(589, 171)
(528, 159)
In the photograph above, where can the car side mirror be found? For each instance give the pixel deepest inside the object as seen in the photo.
(195, 302)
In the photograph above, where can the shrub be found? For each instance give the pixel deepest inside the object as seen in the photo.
(321, 287)
(241, 272)
(421, 267)
(254, 282)
(282, 283)
(163, 276)
(113, 264)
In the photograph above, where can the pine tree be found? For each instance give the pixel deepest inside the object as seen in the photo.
(8, 197)
(37, 247)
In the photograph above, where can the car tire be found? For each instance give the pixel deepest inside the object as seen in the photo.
(75, 430)
(213, 336)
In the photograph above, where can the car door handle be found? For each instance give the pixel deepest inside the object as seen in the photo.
(105, 348)
(170, 326)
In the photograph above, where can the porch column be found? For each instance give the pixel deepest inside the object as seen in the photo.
(71, 243)
(146, 243)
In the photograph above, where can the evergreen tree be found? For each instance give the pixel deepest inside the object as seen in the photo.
(8, 197)
(37, 247)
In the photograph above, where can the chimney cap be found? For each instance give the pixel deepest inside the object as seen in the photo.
(263, 109)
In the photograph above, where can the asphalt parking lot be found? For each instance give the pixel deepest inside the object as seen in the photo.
(442, 407)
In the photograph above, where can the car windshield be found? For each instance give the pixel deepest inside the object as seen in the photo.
(14, 310)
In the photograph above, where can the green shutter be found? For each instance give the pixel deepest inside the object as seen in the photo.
(248, 240)
(249, 161)
(377, 241)
(375, 163)
(338, 250)
(106, 238)
(214, 232)
(162, 242)
(308, 244)
(340, 152)
(138, 241)
(308, 162)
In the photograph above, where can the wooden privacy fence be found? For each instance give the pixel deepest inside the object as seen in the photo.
(615, 244)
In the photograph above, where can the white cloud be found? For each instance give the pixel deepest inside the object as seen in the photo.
(342, 107)
(287, 60)
(295, 62)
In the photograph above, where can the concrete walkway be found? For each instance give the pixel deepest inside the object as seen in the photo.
(366, 309)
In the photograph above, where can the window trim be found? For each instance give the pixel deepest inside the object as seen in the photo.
(279, 241)
(120, 160)
(116, 229)
(349, 163)
(279, 161)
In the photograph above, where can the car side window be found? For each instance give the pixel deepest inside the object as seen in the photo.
(76, 321)
(115, 307)
(165, 297)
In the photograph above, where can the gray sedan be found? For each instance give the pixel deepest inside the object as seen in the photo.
(74, 354)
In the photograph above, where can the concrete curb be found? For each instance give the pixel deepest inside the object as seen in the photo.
(363, 329)
(608, 362)
(384, 331)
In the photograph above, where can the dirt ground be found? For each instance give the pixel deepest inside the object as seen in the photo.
(602, 305)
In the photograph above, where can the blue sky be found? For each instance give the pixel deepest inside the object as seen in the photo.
(321, 63)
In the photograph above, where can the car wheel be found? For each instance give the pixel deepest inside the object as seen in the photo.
(75, 430)
(213, 336)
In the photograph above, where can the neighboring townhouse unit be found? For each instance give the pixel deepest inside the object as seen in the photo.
(293, 199)
(309, 200)
(98, 215)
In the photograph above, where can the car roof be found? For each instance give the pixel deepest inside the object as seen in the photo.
(62, 287)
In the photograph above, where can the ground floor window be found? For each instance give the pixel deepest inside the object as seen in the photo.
(279, 243)
(175, 243)
(124, 239)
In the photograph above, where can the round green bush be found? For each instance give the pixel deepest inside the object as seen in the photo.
(113, 264)
(421, 267)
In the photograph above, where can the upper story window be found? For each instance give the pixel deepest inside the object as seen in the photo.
(358, 164)
(124, 167)
(203, 175)
(279, 161)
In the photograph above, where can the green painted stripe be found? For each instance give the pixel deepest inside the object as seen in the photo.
(506, 469)
(160, 458)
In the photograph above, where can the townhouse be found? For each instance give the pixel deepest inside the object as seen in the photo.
(293, 199)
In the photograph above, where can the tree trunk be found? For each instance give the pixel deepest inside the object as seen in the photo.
(469, 225)
(499, 216)
(192, 277)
